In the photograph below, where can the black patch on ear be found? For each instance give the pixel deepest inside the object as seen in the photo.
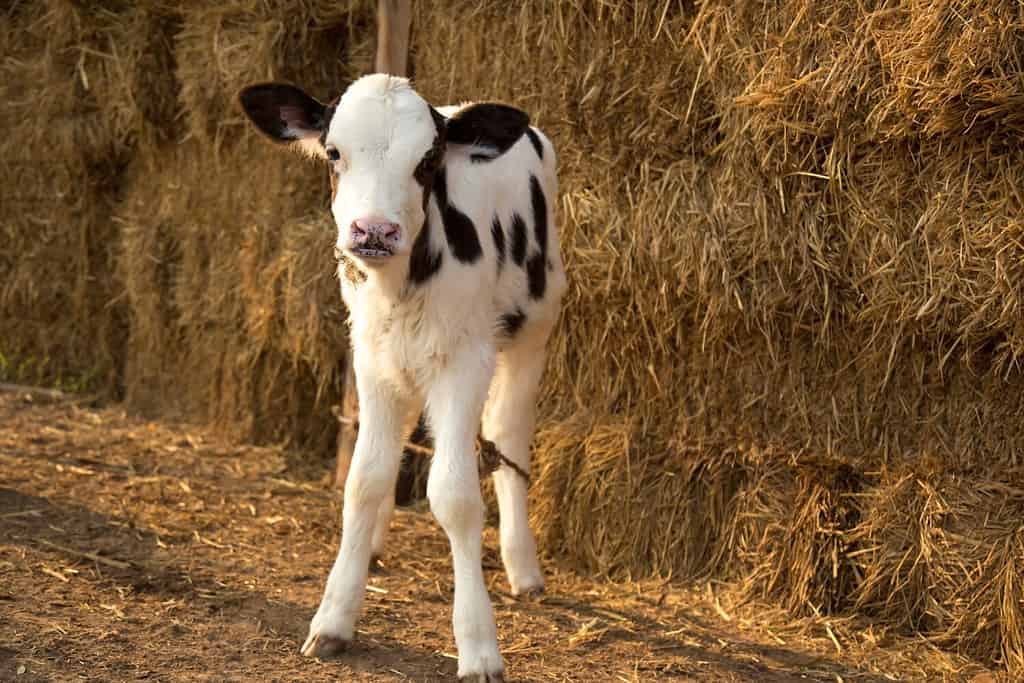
(329, 110)
(424, 262)
(498, 234)
(536, 276)
(440, 122)
(458, 228)
(282, 112)
(512, 322)
(540, 214)
(535, 141)
(488, 125)
(518, 239)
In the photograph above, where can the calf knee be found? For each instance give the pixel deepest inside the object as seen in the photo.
(455, 501)
(367, 484)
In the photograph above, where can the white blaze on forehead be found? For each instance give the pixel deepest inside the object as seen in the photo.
(381, 118)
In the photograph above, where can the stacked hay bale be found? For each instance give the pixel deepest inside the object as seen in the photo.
(156, 248)
(226, 247)
(792, 350)
(70, 126)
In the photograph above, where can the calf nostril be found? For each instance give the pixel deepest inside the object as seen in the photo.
(392, 233)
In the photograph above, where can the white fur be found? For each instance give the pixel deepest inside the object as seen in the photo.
(437, 347)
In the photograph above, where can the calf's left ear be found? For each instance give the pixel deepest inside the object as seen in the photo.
(487, 129)
(285, 114)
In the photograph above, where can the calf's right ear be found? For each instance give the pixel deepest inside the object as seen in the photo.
(286, 115)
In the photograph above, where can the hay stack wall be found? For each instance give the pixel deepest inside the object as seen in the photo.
(156, 249)
(792, 351)
(226, 242)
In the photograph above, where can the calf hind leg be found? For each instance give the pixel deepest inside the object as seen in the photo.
(508, 421)
(387, 506)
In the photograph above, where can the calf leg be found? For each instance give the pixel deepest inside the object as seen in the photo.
(387, 507)
(509, 422)
(371, 480)
(382, 525)
(454, 405)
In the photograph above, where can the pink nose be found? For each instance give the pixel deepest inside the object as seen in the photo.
(373, 229)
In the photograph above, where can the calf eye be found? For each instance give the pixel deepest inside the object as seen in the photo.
(333, 154)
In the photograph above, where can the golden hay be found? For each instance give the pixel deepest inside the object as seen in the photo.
(172, 266)
(68, 131)
(223, 46)
(234, 309)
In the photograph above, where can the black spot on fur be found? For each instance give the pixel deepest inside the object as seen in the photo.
(424, 262)
(498, 234)
(518, 239)
(432, 160)
(536, 276)
(535, 141)
(540, 214)
(512, 322)
(458, 228)
(489, 125)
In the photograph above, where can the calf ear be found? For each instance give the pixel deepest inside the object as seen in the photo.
(286, 114)
(487, 129)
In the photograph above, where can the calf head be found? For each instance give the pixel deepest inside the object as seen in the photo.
(383, 145)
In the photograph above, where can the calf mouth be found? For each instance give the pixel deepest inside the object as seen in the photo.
(373, 250)
(372, 253)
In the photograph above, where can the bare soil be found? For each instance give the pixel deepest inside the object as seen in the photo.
(132, 550)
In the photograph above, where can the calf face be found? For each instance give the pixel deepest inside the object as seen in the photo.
(384, 146)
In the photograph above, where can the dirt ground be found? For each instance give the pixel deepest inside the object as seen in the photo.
(132, 550)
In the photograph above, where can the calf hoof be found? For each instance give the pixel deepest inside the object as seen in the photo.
(531, 594)
(481, 664)
(321, 646)
(526, 587)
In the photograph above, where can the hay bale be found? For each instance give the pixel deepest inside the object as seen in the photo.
(614, 500)
(225, 255)
(168, 270)
(941, 555)
(235, 313)
(75, 107)
(223, 47)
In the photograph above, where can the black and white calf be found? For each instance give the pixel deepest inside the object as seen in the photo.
(451, 272)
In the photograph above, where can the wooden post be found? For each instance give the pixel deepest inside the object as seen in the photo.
(393, 20)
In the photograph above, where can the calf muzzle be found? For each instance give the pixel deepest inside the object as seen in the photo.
(374, 238)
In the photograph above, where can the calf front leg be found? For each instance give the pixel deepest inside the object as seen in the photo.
(454, 405)
(371, 480)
